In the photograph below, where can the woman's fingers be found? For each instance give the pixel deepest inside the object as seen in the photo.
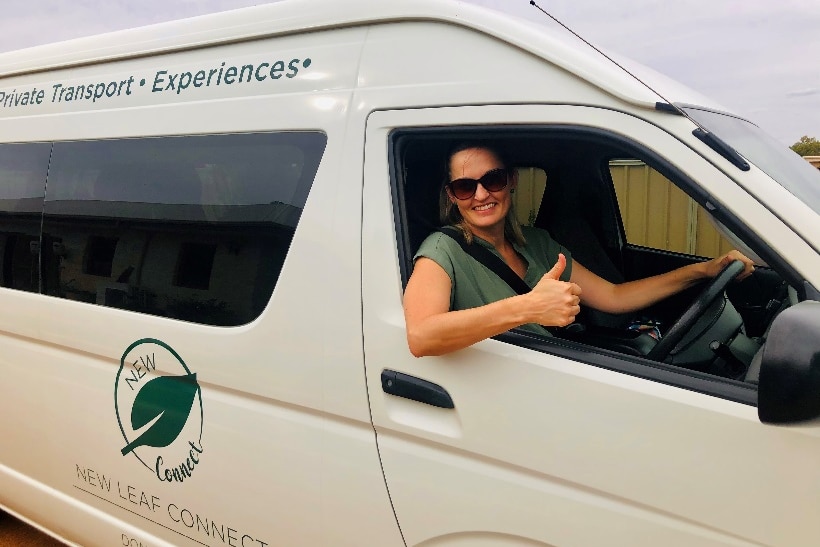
(725, 260)
(556, 302)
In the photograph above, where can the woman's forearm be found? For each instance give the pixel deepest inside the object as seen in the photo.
(635, 295)
(453, 330)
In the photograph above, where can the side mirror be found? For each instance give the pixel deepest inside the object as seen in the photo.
(789, 386)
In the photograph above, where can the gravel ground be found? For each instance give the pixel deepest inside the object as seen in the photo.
(14, 533)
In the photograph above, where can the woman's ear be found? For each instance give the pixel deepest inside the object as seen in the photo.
(513, 179)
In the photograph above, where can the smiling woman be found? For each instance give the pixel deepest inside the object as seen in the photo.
(452, 301)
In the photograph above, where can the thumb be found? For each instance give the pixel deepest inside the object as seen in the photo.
(558, 269)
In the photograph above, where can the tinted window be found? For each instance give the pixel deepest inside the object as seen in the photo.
(194, 228)
(22, 184)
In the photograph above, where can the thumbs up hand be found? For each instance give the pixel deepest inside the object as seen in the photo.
(552, 302)
(558, 269)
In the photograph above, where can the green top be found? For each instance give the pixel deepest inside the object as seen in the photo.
(474, 285)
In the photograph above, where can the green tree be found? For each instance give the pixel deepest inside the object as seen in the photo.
(807, 146)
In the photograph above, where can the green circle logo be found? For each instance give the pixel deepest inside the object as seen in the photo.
(158, 403)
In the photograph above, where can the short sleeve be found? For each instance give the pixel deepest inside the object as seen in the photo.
(437, 247)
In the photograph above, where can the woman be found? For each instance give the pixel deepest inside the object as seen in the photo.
(452, 301)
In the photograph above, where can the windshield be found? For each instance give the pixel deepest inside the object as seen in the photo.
(776, 160)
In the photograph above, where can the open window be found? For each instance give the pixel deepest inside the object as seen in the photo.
(625, 213)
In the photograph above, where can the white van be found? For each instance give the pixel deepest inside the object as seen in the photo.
(205, 231)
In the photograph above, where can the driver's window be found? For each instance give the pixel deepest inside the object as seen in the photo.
(657, 214)
(567, 186)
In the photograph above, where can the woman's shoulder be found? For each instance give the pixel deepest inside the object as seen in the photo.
(435, 240)
(437, 244)
(441, 249)
(449, 237)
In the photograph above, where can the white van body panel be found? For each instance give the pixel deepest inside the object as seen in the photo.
(291, 17)
(293, 440)
(516, 412)
(264, 384)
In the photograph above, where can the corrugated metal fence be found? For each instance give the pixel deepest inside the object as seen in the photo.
(655, 212)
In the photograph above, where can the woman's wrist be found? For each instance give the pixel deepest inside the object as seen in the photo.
(703, 270)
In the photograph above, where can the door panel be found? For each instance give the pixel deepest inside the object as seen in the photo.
(542, 448)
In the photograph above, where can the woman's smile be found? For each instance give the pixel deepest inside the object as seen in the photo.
(485, 207)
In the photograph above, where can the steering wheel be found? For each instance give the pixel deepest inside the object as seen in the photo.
(713, 289)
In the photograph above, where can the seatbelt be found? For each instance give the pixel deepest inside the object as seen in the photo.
(490, 261)
(500, 268)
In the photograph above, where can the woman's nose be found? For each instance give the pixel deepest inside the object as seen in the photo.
(481, 192)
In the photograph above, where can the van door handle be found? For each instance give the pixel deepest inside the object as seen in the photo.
(410, 387)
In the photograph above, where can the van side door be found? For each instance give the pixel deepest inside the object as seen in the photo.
(518, 440)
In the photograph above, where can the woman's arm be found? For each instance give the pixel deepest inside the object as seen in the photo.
(635, 295)
(432, 329)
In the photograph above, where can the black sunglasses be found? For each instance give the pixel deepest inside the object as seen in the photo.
(493, 180)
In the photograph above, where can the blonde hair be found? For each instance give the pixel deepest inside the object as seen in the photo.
(449, 215)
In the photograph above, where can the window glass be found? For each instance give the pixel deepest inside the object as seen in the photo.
(657, 214)
(22, 184)
(532, 182)
(194, 228)
(782, 164)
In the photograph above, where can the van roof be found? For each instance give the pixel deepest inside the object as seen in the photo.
(297, 16)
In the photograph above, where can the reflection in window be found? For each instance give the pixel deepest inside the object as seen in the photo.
(193, 228)
(196, 261)
(100, 255)
(22, 184)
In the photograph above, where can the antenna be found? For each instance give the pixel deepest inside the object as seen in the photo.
(701, 132)
(616, 63)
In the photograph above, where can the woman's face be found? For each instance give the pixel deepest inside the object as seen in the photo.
(485, 209)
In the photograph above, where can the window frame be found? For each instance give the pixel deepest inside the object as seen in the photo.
(733, 390)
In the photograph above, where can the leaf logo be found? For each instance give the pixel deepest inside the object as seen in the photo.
(170, 399)
(156, 397)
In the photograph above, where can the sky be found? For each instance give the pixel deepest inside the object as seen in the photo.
(759, 58)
